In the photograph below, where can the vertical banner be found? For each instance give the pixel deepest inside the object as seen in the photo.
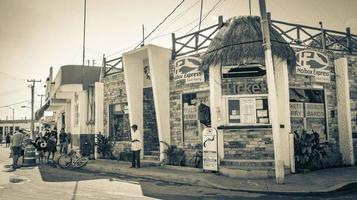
(210, 149)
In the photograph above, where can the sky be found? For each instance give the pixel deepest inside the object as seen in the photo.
(38, 34)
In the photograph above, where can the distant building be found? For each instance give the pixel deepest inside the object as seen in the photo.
(7, 126)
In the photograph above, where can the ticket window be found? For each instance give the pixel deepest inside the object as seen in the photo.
(247, 110)
(308, 111)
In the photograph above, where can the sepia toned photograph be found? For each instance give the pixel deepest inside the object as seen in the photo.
(178, 99)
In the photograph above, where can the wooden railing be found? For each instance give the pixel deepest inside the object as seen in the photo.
(112, 66)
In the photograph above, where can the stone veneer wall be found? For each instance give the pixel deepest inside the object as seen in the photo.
(332, 145)
(150, 132)
(114, 93)
(352, 68)
(177, 88)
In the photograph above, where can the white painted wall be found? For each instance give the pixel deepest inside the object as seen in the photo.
(216, 105)
(82, 112)
(159, 68)
(99, 107)
(344, 111)
(134, 82)
(282, 88)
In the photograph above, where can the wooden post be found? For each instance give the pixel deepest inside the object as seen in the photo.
(323, 39)
(220, 21)
(143, 43)
(349, 42)
(272, 96)
(173, 54)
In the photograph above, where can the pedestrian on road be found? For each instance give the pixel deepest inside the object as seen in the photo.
(7, 140)
(64, 141)
(135, 146)
(52, 144)
(16, 144)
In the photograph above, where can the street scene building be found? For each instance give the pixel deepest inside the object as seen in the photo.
(246, 103)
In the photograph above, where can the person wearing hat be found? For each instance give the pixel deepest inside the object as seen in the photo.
(135, 146)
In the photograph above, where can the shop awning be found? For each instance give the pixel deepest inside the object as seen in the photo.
(39, 113)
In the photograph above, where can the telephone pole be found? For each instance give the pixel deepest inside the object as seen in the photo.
(33, 81)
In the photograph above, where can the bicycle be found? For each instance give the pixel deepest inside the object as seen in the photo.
(72, 159)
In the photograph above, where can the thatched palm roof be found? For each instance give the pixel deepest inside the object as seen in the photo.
(239, 41)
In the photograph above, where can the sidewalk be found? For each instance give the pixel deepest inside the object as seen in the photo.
(320, 181)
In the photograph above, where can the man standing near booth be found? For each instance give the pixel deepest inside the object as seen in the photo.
(16, 143)
(135, 146)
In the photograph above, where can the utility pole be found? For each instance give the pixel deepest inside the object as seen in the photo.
(33, 81)
(272, 94)
(41, 95)
(84, 32)
(143, 30)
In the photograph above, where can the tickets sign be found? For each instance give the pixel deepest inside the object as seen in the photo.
(314, 64)
(187, 69)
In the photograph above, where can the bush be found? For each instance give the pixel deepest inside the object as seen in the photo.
(125, 155)
(308, 151)
(105, 147)
(174, 155)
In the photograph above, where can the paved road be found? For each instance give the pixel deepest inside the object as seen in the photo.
(46, 182)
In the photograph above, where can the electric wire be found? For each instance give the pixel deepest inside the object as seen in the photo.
(161, 22)
(17, 103)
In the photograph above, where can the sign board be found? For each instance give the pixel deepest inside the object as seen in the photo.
(247, 109)
(210, 149)
(314, 110)
(296, 110)
(247, 87)
(147, 76)
(187, 69)
(190, 112)
(313, 63)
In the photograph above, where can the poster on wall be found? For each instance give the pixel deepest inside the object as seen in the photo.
(314, 64)
(315, 110)
(210, 149)
(187, 69)
(247, 111)
(296, 110)
(190, 112)
(147, 76)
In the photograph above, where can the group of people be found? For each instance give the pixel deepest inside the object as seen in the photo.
(45, 142)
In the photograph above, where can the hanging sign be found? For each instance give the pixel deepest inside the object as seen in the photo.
(313, 63)
(210, 149)
(187, 69)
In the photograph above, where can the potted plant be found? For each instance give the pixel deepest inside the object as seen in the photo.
(174, 155)
(308, 151)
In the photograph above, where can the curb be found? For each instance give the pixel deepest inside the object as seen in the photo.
(197, 181)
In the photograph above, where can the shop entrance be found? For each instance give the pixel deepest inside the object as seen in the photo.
(150, 132)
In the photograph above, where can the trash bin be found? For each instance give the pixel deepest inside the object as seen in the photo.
(29, 158)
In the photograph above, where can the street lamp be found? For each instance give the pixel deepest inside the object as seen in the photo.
(13, 118)
(31, 120)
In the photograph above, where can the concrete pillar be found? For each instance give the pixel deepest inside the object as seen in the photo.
(216, 105)
(159, 70)
(99, 107)
(344, 111)
(83, 112)
(68, 119)
(134, 83)
(282, 91)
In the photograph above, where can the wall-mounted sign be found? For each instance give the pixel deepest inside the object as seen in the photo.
(314, 110)
(249, 70)
(296, 110)
(190, 112)
(248, 113)
(313, 63)
(210, 149)
(147, 76)
(247, 87)
(187, 69)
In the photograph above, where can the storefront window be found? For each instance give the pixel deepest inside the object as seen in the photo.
(119, 123)
(248, 110)
(307, 110)
(191, 124)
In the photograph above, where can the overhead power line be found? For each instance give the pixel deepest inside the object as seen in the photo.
(17, 103)
(162, 22)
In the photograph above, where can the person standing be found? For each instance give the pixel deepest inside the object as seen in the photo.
(16, 143)
(7, 140)
(64, 141)
(52, 144)
(135, 146)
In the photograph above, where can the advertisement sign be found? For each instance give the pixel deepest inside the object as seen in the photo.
(190, 112)
(313, 63)
(210, 149)
(187, 69)
(247, 111)
(314, 110)
(296, 110)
